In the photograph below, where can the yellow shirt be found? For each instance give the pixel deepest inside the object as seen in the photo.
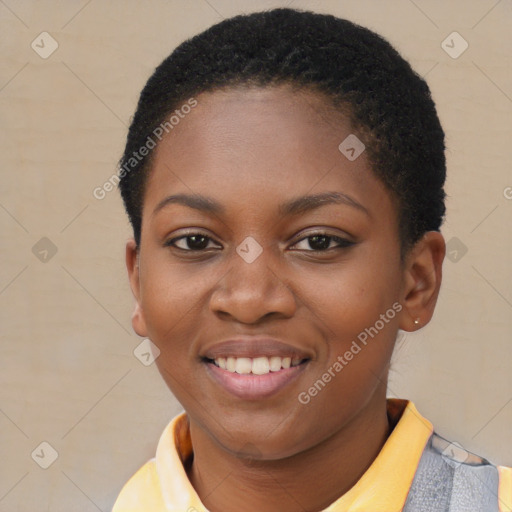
(162, 485)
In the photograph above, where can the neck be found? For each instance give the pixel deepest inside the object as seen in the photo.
(308, 481)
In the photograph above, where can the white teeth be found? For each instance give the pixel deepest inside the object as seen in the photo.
(260, 365)
(243, 365)
(256, 366)
(230, 364)
(275, 364)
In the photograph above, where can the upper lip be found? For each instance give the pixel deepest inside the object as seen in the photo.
(254, 347)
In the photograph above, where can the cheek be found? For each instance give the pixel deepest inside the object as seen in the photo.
(170, 289)
(172, 301)
(357, 307)
(361, 325)
(351, 297)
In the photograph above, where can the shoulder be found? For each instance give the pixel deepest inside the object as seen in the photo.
(141, 492)
(449, 477)
(505, 488)
(163, 477)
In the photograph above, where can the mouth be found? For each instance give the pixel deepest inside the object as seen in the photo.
(262, 365)
(253, 379)
(253, 368)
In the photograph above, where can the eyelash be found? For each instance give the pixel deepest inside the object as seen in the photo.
(343, 243)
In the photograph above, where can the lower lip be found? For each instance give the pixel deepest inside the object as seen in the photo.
(254, 387)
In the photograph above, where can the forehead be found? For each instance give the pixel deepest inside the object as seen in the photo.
(272, 142)
(239, 116)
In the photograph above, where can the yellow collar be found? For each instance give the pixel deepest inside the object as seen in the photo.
(162, 484)
(384, 486)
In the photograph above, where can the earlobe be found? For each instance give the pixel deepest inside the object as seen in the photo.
(422, 281)
(132, 265)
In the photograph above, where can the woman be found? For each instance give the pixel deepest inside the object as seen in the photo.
(283, 176)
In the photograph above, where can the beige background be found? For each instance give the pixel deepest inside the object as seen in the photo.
(68, 375)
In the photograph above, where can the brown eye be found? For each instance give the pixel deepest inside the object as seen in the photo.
(192, 242)
(322, 242)
(319, 242)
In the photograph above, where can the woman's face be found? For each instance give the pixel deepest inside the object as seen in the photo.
(292, 252)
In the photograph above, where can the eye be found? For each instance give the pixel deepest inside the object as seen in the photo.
(191, 242)
(319, 242)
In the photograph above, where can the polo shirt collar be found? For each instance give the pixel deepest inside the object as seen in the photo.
(383, 487)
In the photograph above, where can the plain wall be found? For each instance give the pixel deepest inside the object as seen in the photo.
(68, 375)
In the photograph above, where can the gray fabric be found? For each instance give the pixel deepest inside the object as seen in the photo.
(450, 479)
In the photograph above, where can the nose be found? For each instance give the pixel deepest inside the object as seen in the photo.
(251, 291)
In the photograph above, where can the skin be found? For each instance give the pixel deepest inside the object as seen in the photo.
(251, 150)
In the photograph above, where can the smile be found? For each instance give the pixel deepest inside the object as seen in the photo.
(253, 368)
(256, 365)
(254, 378)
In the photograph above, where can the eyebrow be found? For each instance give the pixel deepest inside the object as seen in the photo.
(293, 207)
(196, 201)
(311, 202)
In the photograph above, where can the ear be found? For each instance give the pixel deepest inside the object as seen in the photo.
(132, 265)
(422, 280)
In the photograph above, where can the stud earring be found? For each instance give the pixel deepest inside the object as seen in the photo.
(417, 321)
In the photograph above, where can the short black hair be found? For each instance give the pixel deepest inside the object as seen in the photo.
(359, 72)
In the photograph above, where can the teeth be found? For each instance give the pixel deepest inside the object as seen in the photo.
(230, 364)
(260, 365)
(275, 364)
(243, 365)
(257, 365)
